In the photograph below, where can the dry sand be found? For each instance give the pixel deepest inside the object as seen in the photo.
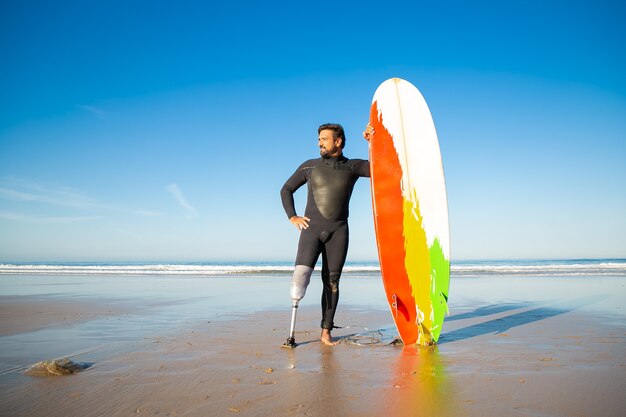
(504, 359)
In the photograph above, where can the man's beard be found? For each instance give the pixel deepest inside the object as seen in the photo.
(325, 153)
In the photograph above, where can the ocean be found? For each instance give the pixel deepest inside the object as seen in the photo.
(554, 267)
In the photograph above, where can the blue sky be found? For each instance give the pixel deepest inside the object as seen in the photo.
(163, 131)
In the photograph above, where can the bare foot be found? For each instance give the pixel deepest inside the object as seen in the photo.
(326, 338)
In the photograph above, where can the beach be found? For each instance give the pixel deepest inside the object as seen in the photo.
(196, 345)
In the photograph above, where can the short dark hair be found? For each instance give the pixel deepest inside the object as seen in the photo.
(337, 132)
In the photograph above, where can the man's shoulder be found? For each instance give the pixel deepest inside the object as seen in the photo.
(310, 163)
(360, 167)
(356, 161)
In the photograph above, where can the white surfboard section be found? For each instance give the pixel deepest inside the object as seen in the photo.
(407, 117)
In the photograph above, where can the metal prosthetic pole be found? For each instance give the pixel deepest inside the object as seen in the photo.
(291, 341)
(299, 283)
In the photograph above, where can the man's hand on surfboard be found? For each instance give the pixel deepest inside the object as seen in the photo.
(369, 132)
(301, 222)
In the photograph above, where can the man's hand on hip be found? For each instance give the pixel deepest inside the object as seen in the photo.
(301, 222)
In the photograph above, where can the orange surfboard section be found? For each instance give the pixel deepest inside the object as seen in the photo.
(387, 200)
(412, 246)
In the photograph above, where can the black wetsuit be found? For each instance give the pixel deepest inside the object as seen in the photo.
(330, 183)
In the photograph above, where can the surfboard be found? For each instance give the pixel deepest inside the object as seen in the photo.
(410, 211)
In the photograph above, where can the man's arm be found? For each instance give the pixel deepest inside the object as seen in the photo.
(286, 195)
(363, 167)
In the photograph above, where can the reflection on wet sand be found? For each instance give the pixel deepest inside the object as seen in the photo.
(321, 377)
(332, 396)
(419, 385)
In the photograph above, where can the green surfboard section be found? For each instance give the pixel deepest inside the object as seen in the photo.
(439, 285)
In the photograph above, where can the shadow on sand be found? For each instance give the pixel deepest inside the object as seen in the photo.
(504, 324)
(487, 311)
(496, 325)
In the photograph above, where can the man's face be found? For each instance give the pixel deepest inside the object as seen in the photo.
(328, 145)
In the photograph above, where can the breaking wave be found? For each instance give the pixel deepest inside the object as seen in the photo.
(461, 268)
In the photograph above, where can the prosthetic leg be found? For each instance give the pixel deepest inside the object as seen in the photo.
(299, 283)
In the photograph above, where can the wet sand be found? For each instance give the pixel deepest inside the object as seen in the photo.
(27, 314)
(513, 357)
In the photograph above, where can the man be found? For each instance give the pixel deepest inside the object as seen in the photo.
(324, 226)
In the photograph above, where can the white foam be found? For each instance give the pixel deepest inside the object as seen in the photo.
(553, 269)
(161, 269)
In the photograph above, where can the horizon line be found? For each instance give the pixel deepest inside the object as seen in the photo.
(250, 261)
